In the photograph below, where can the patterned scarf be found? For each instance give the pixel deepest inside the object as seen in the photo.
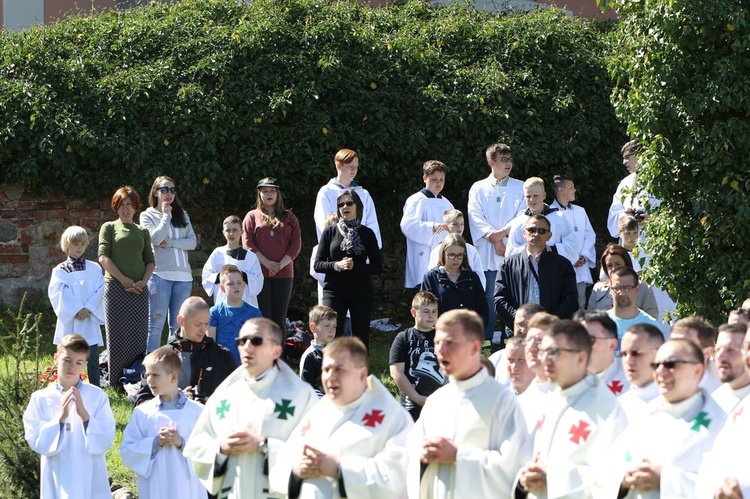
(351, 242)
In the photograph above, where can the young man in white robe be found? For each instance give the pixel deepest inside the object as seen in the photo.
(639, 345)
(735, 380)
(153, 440)
(524, 313)
(564, 239)
(352, 443)
(71, 425)
(662, 452)
(232, 253)
(572, 444)
(603, 332)
(422, 222)
(723, 473)
(493, 202)
(347, 166)
(249, 417)
(76, 293)
(564, 190)
(471, 437)
(702, 332)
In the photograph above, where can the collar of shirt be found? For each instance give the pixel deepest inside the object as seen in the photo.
(237, 253)
(545, 211)
(536, 258)
(177, 403)
(60, 389)
(338, 184)
(496, 182)
(685, 409)
(430, 194)
(75, 264)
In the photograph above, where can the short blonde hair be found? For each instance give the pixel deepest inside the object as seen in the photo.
(164, 357)
(73, 234)
(450, 216)
(350, 344)
(532, 182)
(73, 342)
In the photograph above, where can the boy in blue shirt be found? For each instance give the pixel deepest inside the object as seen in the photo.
(228, 317)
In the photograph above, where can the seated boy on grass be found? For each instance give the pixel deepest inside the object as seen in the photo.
(323, 326)
(414, 366)
(70, 423)
(153, 440)
(228, 317)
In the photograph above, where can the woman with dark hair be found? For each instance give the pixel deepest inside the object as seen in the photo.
(127, 258)
(272, 232)
(348, 255)
(453, 281)
(614, 257)
(172, 237)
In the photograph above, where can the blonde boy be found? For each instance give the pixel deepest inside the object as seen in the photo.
(454, 221)
(153, 440)
(232, 254)
(71, 425)
(323, 326)
(76, 291)
(228, 316)
(413, 364)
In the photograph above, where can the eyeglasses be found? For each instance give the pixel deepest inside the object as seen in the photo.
(533, 340)
(506, 159)
(536, 230)
(164, 190)
(552, 353)
(671, 364)
(345, 203)
(633, 353)
(622, 289)
(255, 341)
(455, 256)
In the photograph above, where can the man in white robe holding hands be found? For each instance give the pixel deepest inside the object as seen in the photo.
(470, 438)
(352, 443)
(249, 417)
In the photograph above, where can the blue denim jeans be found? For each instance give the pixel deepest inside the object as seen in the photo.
(164, 297)
(489, 328)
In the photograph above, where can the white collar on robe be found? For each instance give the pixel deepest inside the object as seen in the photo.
(686, 409)
(467, 384)
(590, 381)
(646, 393)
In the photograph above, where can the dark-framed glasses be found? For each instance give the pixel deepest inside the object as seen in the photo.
(455, 256)
(671, 364)
(552, 353)
(536, 230)
(622, 289)
(255, 341)
(345, 203)
(164, 190)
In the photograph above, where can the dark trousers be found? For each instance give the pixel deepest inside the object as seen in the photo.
(359, 303)
(273, 300)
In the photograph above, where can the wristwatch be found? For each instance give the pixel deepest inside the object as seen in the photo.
(263, 446)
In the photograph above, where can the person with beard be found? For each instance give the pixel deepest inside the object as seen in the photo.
(731, 367)
(624, 287)
(205, 363)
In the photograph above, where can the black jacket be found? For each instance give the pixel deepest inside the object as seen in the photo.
(210, 363)
(467, 292)
(557, 285)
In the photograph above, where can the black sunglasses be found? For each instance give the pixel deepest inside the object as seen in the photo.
(671, 364)
(345, 203)
(537, 230)
(255, 341)
(164, 190)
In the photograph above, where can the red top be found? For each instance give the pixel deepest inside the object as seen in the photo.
(273, 243)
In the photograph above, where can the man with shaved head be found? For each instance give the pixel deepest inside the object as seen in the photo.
(205, 363)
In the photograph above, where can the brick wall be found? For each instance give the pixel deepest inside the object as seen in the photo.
(30, 229)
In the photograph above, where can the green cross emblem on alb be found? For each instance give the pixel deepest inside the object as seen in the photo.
(700, 420)
(284, 408)
(222, 409)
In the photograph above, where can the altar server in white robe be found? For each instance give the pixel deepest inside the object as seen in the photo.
(70, 423)
(76, 293)
(572, 446)
(564, 240)
(422, 222)
(639, 345)
(564, 190)
(662, 452)
(249, 416)
(471, 437)
(352, 443)
(603, 333)
(735, 380)
(153, 440)
(347, 166)
(724, 473)
(232, 253)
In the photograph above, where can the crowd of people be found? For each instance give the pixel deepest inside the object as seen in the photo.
(595, 398)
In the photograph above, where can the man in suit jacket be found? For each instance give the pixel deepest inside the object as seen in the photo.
(537, 275)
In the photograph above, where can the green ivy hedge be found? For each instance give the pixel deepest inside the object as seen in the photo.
(218, 95)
